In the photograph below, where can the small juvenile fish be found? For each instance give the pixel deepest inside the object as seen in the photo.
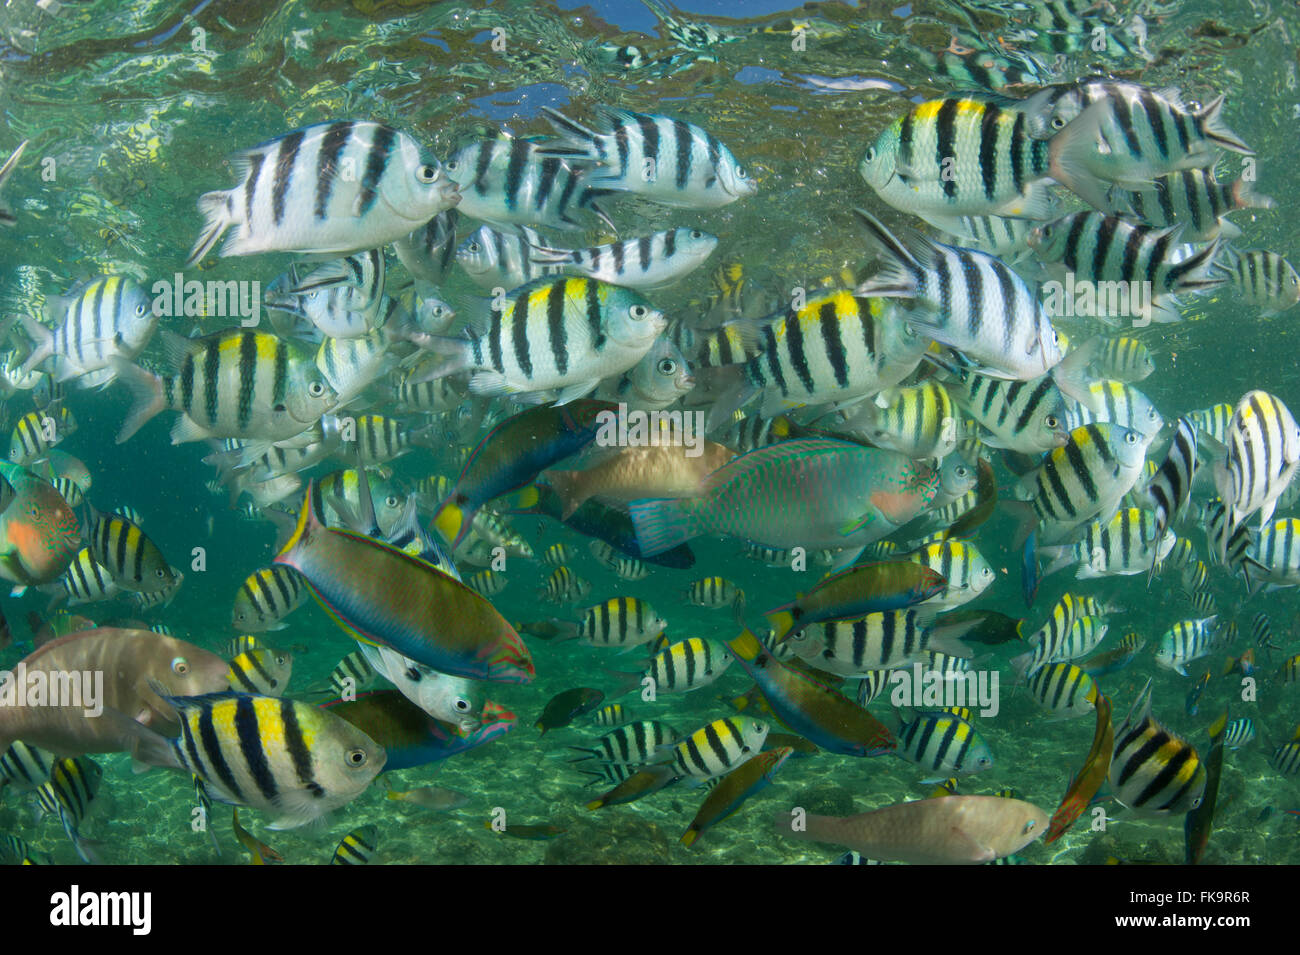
(357, 847)
(565, 707)
(262, 672)
(431, 797)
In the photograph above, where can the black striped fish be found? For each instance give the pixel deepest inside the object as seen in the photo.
(1213, 421)
(87, 581)
(1263, 442)
(1275, 553)
(131, 558)
(427, 252)
(1062, 646)
(357, 847)
(715, 749)
(1123, 359)
(235, 383)
(1151, 769)
(433, 397)
(69, 490)
(624, 567)
(970, 301)
(688, 665)
(493, 258)
(633, 744)
(1103, 249)
(944, 745)
(560, 333)
(1115, 402)
(1192, 198)
(1172, 485)
(1127, 132)
(731, 343)
(266, 597)
(963, 154)
(25, 767)
(105, 317)
(919, 421)
(1188, 640)
(353, 672)
(1063, 689)
(1026, 416)
(716, 593)
(335, 187)
(620, 622)
(68, 794)
(648, 262)
(564, 586)
(285, 757)
(512, 182)
(1263, 278)
(37, 432)
(1126, 544)
(613, 714)
(1086, 478)
(670, 161)
(836, 347)
(261, 672)
(379, 439)
(856, 647)
(488, 583)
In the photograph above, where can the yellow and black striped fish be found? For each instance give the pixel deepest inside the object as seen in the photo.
(266, 597)
(357, 847)
(352, 673)
(133, 560)
(717, 748)
(712, 592)
(620, 622)
(1152, 770)
(264, 672)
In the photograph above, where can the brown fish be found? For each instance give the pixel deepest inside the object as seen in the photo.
(127, 661)
(951, 830)
(39, 534)
(634, 473)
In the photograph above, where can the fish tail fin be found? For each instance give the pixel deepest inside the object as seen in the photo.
(1021, 665)
(1244, 196)
(146, 391)
(576, 140)
(781, 621)
(567, 484)
(897, 275)
(662, 525)
(746, 646)
(42, 342)
(310, 519)
(1069, 153)
(1216, 130)
(1071, 373)
(452, 520)
(215, 207)
(1194, 273)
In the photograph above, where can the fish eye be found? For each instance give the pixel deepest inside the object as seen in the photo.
(638, 311)
(740, 173)
(1130, 438)
(473, 247)
(667, 366)
(871, 154)
(1052, 421)
(140, 309)
(696, 234)
(453, 165)
(1045, 231)
(391, 500)
(160, 574)
(462, 705)
(357, 757)
(428, 173)
(180, 666)
(1030, 826)
(1058, 122)
(281, 659)
(316, 389)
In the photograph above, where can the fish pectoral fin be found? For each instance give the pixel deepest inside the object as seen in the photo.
(852, 526)
(978, 852)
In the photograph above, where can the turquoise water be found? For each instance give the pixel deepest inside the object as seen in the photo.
(129, 121)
